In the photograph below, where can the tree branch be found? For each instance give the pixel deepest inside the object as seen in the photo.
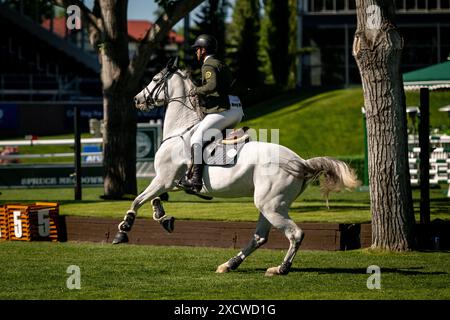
(91, 17)
(156, 34)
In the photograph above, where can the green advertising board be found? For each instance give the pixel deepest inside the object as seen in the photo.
(148, 138)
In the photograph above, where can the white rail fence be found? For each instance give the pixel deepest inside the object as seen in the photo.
(439, 156)
(144, 169)
(50, 142)
(439, 160)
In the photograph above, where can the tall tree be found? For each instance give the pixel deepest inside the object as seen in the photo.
(211, 20)
(293, 50)
(377, 49)
(276, 39)
(244, 43)
(120, 77)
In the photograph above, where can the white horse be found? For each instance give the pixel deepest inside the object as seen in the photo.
(273, 181)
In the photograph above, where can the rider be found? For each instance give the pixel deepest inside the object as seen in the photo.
(213, 93)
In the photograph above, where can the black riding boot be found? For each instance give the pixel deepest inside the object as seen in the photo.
(193, 180)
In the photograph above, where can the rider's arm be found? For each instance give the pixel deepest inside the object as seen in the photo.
(209, 75)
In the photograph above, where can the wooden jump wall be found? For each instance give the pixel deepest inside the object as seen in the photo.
(318, 236)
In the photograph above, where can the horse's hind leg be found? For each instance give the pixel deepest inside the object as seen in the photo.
(155, 188)
(274, 200)
(259, 238)
(295, 235)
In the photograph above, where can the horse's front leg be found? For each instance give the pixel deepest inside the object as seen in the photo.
(156, 187)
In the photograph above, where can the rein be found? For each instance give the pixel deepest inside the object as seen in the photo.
(178, 135)
(162, 85)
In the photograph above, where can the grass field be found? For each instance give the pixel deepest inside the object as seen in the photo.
(314, 124)
(329, 123)
(345, 207)
(38, 271)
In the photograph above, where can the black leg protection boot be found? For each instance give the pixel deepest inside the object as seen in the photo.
(194, 182)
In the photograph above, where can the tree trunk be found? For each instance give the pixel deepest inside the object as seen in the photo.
(119, 145)
(120, 81)
(119, 139)
(377, 49)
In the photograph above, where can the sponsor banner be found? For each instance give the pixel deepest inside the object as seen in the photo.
(96, 112)
(26, 176)
(147, 141)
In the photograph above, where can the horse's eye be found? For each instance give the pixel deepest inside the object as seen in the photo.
(155, 79)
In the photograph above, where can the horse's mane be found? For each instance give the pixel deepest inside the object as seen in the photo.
(187, 73)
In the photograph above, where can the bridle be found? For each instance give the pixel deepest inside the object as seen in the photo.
(162, 84)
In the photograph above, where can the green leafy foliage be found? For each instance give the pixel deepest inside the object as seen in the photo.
(211, 20)
(244, 45)
(275, 39)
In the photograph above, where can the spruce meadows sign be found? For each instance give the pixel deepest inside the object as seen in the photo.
(15, 175)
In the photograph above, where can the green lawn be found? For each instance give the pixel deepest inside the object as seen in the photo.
(37, 270)
(329, 123)
(345, 207)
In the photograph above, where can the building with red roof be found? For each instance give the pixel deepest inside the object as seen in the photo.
(136, 31)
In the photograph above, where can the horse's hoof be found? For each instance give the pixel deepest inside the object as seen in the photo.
(168, 223)
(121, 237)
(223, 268)
(274, 271)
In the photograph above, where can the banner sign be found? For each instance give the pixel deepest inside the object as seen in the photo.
(148, 138)
(48, 175)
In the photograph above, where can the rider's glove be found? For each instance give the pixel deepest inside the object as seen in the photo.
(192, 92)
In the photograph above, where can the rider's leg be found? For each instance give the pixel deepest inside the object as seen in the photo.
(194, 181)
(218, 121)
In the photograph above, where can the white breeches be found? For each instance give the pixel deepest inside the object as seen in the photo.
(219, 121)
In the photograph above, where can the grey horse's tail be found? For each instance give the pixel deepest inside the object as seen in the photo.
(337, 174)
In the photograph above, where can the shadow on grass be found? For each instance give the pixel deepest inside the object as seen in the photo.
(359, 201)
(400, 271)
(332, 208)
(278, 103)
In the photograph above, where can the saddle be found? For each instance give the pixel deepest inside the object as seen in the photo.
(224, 152)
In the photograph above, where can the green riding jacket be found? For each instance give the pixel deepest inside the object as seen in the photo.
(216, 84)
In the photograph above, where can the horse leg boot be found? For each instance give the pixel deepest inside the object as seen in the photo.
(259, 238)
(155, 188)
(125, 227)
(295, 236)
(159, 215)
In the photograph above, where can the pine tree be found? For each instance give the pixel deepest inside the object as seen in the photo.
(276, 37)
(244, 44)
(211, 20)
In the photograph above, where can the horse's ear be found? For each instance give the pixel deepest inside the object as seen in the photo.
(172, 64)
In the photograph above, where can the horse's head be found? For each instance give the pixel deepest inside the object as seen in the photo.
(155, 94)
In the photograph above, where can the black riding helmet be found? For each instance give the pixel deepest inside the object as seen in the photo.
(206, 41)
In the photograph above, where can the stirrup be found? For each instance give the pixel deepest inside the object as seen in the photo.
(193, 189)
